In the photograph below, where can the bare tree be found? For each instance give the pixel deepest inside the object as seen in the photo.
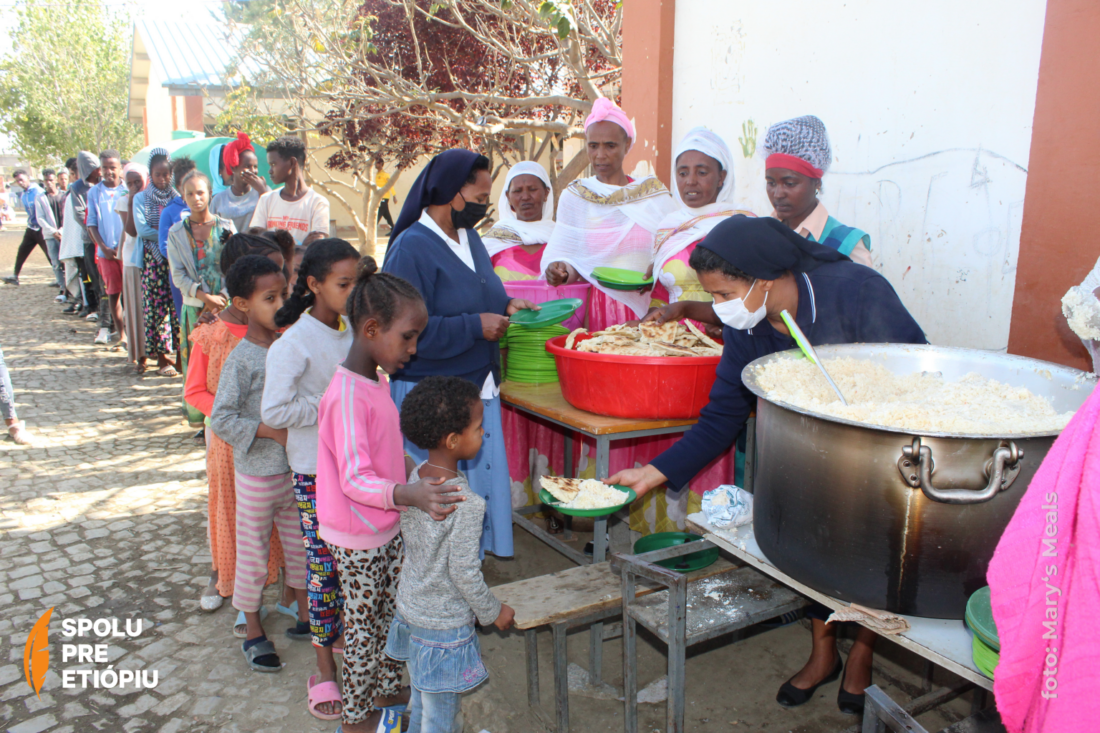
(400, 79)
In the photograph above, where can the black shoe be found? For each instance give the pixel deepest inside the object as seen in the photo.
(199, 437)
(71, 309)
(791, 697)
(849, 703)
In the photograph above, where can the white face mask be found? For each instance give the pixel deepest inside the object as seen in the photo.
(734, 314)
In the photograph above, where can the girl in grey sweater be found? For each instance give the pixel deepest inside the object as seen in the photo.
(442, 590)
(265, 494)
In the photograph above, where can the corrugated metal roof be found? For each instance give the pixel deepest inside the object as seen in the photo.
(188, 54)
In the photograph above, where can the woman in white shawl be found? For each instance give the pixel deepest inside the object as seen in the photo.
(516, 242)
(704, 191)
(607, 220)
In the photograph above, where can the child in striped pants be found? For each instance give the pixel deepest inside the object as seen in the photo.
(265, 493)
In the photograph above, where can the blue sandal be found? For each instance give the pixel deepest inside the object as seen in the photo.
(390, 722)
(241, 622)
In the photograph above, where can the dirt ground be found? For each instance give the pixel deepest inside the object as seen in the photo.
(141, 458)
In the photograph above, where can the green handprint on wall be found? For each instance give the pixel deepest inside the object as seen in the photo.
(748, 142)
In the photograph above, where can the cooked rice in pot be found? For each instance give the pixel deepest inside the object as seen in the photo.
(921, 401)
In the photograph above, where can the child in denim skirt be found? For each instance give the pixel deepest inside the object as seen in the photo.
(442, 590)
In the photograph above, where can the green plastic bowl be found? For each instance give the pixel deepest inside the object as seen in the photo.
(979, 617)
(684, 563)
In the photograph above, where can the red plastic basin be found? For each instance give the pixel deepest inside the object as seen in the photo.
(645, 387)
(539, 291)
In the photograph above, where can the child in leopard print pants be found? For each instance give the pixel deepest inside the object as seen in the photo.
(362, 489)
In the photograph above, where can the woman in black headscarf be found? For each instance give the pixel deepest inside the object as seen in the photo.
(755, 269)
(435, 247)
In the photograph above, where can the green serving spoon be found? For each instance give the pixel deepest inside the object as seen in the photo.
(808, 350)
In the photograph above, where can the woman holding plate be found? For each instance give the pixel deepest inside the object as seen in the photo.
(607, 220)
(435, 247)
(703, 173)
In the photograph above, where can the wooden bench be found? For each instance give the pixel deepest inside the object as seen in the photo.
(578, 596)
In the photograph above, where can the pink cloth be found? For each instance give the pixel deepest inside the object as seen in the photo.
(515, 263)
(1045, 589)
(360, 459)
(603, 109)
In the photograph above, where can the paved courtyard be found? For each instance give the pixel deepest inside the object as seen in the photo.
(106, 518)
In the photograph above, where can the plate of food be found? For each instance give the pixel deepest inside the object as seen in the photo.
(584, 497)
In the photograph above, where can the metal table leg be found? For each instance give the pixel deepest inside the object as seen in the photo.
(677, 654)
(531, 642)
(630, 657)
(599, 554)
(568, 472)
(561, 675)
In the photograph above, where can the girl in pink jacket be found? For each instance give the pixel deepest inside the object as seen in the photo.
(361, 490)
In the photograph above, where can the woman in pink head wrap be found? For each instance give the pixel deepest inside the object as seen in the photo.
(607, 220)
(136, 177)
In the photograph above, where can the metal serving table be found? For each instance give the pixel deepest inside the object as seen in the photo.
(943, 642)
(546, 401)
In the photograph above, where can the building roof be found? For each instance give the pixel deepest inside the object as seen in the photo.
(185, 58)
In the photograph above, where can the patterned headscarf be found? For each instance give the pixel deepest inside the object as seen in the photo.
(800, 144)
(157, 198)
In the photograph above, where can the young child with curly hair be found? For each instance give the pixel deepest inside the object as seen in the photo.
(442, 589)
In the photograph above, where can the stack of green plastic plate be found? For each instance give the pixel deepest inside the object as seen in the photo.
(979, 618)
(528, 360)
(617, 278)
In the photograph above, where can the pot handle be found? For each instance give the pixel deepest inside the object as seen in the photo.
(916, 466)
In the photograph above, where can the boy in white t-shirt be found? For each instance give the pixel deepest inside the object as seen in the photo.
(295, 207)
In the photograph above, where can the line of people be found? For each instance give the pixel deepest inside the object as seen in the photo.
(282, 332)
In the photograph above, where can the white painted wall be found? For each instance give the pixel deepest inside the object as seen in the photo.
(929, 109)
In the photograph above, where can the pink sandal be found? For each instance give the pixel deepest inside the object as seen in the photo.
(322, 692)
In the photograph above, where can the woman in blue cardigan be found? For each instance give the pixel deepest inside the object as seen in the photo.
(435, 247)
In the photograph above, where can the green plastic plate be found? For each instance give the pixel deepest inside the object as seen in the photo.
(979, 617)
(553, 312)
(547, 498)
(684, 563)
(985, 659)
(618, 276)
(620, 286)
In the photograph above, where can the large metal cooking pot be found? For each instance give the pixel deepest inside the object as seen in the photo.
(892, 519)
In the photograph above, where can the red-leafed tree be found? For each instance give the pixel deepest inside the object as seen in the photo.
(401, 79)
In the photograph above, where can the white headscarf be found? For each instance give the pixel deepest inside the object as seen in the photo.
(686, 225)
(510, 231)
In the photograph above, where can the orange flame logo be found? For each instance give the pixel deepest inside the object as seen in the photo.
(36, 655)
